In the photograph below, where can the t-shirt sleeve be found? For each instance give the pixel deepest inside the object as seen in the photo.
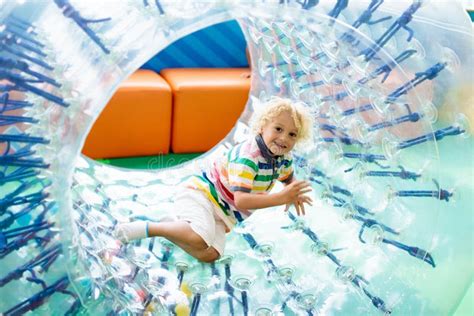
(286, 171)
(242, 171)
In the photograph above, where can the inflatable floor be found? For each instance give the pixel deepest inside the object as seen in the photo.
(390, 86)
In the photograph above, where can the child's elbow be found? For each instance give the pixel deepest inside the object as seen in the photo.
(238, 204)
(239, 200)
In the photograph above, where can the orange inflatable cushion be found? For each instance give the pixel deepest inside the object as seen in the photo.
(206, 105)
(136, 121)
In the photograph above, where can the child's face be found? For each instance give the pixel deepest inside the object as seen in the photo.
(280, 134)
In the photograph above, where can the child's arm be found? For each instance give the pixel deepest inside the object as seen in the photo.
(292, 193)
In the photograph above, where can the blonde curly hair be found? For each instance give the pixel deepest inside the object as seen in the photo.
(276, 105)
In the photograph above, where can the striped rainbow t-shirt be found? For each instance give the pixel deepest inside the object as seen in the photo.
(247, 167)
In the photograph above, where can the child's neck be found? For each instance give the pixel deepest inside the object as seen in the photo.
(266, 152)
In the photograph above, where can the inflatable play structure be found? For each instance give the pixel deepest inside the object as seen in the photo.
(389, 84)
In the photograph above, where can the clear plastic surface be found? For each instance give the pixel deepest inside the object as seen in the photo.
(390, 86)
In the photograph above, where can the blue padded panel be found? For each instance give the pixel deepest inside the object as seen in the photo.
(217, 46)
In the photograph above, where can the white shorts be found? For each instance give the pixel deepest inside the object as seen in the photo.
(194, 207)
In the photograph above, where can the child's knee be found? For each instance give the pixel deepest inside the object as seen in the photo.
(198, 242)
(209, 255)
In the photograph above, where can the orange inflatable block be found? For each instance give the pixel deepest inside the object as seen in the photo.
(206, 105)
(136, 121)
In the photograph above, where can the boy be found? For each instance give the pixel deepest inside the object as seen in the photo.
(237, 183)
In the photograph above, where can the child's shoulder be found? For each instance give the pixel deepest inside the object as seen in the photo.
(247, 148)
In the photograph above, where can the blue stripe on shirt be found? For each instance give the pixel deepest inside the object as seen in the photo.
(240, 189)
(278, 164)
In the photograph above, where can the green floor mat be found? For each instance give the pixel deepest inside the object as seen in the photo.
(150, 162)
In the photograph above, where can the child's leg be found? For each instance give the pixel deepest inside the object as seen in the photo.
(178, 232)
(181, 233)
(193, 229)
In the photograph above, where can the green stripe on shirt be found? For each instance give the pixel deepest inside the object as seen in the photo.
(247, 162)
(270, 177)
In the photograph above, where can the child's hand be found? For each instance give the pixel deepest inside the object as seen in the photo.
(299, 206)
(294, 194)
